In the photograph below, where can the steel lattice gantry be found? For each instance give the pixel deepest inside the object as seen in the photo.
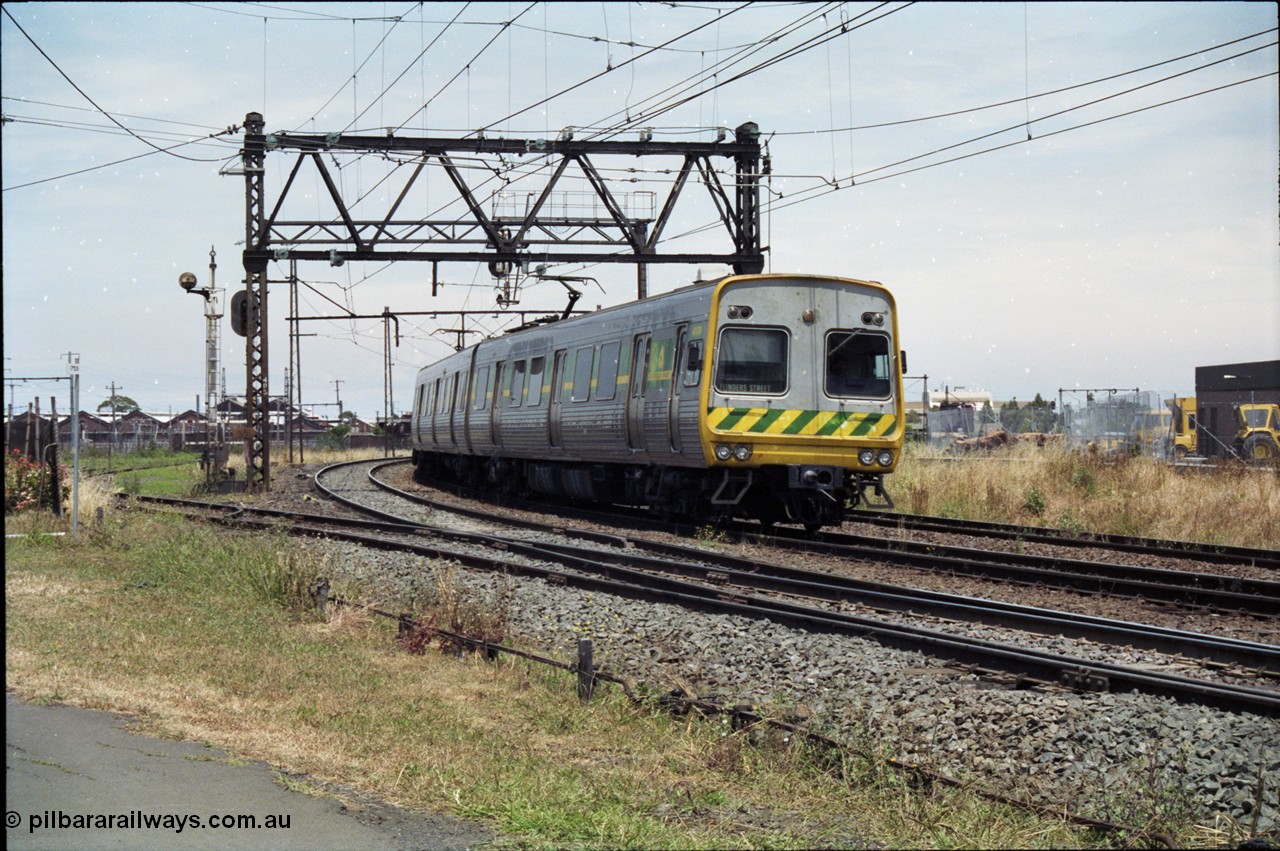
(503, 241)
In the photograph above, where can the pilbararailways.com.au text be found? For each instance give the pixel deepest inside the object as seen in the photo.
(139, 820)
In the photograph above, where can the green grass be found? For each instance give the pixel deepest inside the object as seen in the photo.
(177, 480)
(208, 636)
(94, 461)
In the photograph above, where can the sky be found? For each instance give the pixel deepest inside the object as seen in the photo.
(1061, 195)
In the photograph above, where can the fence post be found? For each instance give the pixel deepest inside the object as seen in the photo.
(586, 670)
(320, 594)
(55, 472)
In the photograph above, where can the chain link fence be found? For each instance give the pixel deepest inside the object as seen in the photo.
(1118, 422)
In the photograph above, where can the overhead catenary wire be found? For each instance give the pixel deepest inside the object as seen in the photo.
(86, 96)
(972, 109)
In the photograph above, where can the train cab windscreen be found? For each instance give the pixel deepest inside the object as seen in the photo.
(752, 360)
(858, 365)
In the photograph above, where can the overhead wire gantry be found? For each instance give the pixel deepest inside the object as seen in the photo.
(504, 242)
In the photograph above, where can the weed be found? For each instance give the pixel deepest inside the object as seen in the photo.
(1084, 480)
(709, 536)
(1070, 521)
(450, 607)
(918, 495)
(1034, 501)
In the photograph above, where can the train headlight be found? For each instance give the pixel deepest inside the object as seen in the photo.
(866, 457)
(742, 452)
(885, 458)
(723, 453)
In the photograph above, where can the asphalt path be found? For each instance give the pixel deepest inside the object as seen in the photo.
(77, 779)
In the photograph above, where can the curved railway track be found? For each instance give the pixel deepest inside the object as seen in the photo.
(621, 569)
(637, 577)
(1077, 716)
(1209, 591)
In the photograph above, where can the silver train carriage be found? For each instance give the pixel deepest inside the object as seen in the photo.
(772, 396)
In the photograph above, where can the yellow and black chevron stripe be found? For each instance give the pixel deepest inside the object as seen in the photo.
(801, 423)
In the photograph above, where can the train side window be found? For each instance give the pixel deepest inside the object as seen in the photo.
(582, 362)
(481, 391)
(607, 379)
(435, 398)
(459, 392)
(535, 381)
(752, 360)
(517, 383)
(858, 364)
(417, 400)
(693, 363)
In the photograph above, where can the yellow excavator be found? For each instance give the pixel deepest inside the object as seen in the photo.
(1257, 437)
(1258, 432)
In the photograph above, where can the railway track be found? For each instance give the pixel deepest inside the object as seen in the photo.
(1192, 589)
(1211, 591)
(638, 577)
(1208, 553)
(726, 637)
(722, 586)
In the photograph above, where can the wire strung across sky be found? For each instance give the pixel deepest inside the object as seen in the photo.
(730, 68)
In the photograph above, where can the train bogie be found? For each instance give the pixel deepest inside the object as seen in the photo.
(773, 396)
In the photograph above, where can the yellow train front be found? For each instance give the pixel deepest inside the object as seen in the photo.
(776, 397)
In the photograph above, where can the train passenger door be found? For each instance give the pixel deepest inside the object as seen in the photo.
(636, 392)
(677, 386)
(495, 408)
(451, 385)
(557, 392)
(435, 412)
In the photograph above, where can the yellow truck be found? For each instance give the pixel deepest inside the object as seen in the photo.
(1147, 432)
(1182, 434)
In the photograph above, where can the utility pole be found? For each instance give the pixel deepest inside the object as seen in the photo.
(73, 368)
(337, 398)
(213, 313)
(111, 446)
(295, 357)
(388, 393)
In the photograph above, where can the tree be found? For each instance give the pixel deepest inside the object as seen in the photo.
(1011, 416)
(121, 404)
(335, 438)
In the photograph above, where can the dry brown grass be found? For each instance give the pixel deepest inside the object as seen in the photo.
(1052, 486)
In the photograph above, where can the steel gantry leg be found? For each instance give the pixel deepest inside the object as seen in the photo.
(257, 402)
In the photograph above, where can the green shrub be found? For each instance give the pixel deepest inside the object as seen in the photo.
(1034, 501)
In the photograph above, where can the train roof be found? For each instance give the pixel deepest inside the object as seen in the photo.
(552, 319)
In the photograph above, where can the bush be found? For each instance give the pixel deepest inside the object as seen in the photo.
(27, 485)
